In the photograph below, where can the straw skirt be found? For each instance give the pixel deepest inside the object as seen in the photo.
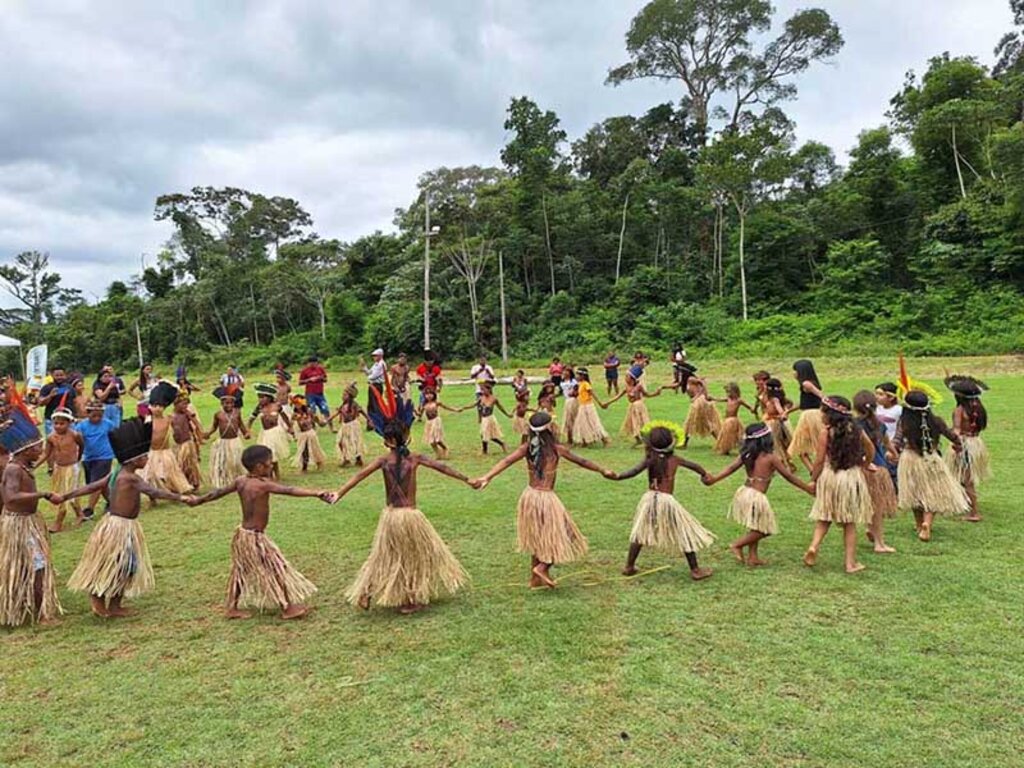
(24, 550)
(261, 577)
(545, 528)
(163, 471)
(489, 429)
(308, 442)
(751, 509)
(781, 436)
(226, 461)
(409, 563)
(115, 561)
(276, 439)
(636, 416)
(971, 462)
(926, 483)
(433, 431)
(520, 426)
(572, 407)
(842, 497)
(187, 454)
(662, 522)
(730, 437)
(350, 441)
(64, 480)
(588, 428)
(703, 420)
(882, 491)
(807, 433)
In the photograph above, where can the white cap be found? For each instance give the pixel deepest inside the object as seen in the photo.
(377, 351)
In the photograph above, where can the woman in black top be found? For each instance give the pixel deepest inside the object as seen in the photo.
(809, 427)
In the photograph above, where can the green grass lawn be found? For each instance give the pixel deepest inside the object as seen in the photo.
(918, 661)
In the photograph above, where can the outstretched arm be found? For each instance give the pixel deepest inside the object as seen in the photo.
(500, 407)
(504, 464)
(85, 490)
(291, 490)
(744, 404)
(217, 493)
(361, 475)
(692, 466)
(443, 468)
(782, 469)
(579, 461)
(13, 492)
(629, 473)
(159, 493)
(712, 479)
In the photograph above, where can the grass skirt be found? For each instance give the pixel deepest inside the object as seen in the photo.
(308, 441)
(882, 491)
(588, 428)
(545, 528)
(408, 562)
(226, 461)
(187, 454)
(807, 433)
(731, 436)
(661, 521)
(433, 431)
(24, 543)
(703, 419)
(572, 407)
(261, 577)
(350, 441)
(751, 509)
(636, 416)
(926, 483)
(971, 462)
(163, 471)
(781, 436)
(842, 497)
(64, 480)
(489, 429)
(276, 439)
(520, 426)
(115, 560)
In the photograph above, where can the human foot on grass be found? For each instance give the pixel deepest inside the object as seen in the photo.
(855, 568)
(98, 607)
(630, 570)
(294, 612)
(810, 558)
(235, 613)
(925, 532)
(884, 549)
(737, 552)
(411, 608)
(754, 562)
(699, 574)
(541, 572)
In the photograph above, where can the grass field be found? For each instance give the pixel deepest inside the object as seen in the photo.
(918, 661)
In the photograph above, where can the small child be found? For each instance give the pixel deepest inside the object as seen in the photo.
(351, 445)
(776, 408)
(732, 428)
(162, 469)
(888, 409)
(28, 584)
(115, 562)
(880, 485)
(703, 419)
(490, 431)
(520, 411)
(841, 495)
(569, 389)
(433, 429)
(261, 577)
(307, 442)
(226, 453)
(926, 486)
(64, 451)
(409, 564)
(971, 464)
(750, 507)
(588, 428)
(546, 403)
(97, 455)
(186, 431)
(544, 527)
(660, 520)
(637, 415)
(276, 426)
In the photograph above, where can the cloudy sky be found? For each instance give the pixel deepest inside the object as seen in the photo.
(105, 104)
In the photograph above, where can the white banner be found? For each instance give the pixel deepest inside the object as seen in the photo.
(35, 366)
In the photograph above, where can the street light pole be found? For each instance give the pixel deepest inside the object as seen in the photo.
(426, 272)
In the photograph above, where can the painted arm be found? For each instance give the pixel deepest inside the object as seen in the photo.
(505, 463)
(690, 465)
(217, 493)
(712, 479)
(357, 478)
(631, 473)
(13, 492)
(85, 490)
(579, 461)
(442, 468)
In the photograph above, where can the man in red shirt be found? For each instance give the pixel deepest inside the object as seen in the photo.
(429, 374)
(313, 377)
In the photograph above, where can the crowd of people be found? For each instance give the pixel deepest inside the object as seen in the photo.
(866, 457)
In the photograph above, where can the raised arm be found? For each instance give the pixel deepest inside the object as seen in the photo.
(710, 479)
(361, 475)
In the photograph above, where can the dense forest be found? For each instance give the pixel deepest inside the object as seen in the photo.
(701, 220)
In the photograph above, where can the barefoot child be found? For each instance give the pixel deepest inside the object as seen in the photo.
(226, 453)
(409, 564)
(433, 428)
(186, 432)
(63, 450)
(115, 563)
(261, 577)
(971, 464)
(97, 455)
(569, 389)
(841, 494)
(637, 415)
(750, 506)
(703, 419)
(809, 427)
(776, 410)
(880, 485)
(28, 584)
(351, 446)
(660, 520)
(490, 431)
(544, 527)
(162, 469)
(276, 426)
(307, 442)
(731, 435)
(926, 486)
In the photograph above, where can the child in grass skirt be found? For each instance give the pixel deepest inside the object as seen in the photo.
(810, 425)
(926, 486)
(63, 450)
(660, 520)
(971, 464)
(880, 485)
(750, 507)
(569, 387)
(637, 414)
(409, 564)
(261, 577)
(544, 527)
(521, 410)
(731, 435)
(226, 452)
(162, 469)
(776, 407)
(28, 584)
(490, 431)
(351, 445)
(433, 427)
(588, 428)
(841, 494)
(276, 430)
(186, 431)
(702, 420)
(307, 442)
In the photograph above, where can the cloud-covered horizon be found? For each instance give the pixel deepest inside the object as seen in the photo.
(344, 105)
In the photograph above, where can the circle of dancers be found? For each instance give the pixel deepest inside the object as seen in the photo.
(867, 456)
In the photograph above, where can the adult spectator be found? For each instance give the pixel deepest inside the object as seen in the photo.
(555, 371)
(429, 375)
(480, 373)
(611, 371)
(374, 380)
(313, 377)
(109, 389)
(141, 388)
(234, 384)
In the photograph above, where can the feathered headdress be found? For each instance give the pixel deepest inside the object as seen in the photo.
(163, 394)
(905, 384)
(62, 411)
(390, 409)
(965, 386)
(18, 430)
(678, 434)
(131, 440)
(266, 390)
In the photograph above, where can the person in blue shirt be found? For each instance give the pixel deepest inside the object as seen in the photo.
(97, 453)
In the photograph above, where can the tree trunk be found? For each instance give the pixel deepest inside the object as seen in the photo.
(321, 300)
(743, 271)
(547, 240)
(504, 327)
(956, 160)
(721, 251)
(622, 236)
(255, 325)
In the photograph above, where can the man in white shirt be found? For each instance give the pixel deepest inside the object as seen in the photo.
(481, 372)
(374, 380)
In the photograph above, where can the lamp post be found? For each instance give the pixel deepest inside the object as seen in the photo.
(428, 232)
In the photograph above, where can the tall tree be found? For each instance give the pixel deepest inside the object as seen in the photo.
(36, 289)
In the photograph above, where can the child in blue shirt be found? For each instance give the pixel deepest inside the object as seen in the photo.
(97, 454)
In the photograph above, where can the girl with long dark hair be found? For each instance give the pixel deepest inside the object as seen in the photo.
(809, 427)
(880, 484)
(971, 464)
